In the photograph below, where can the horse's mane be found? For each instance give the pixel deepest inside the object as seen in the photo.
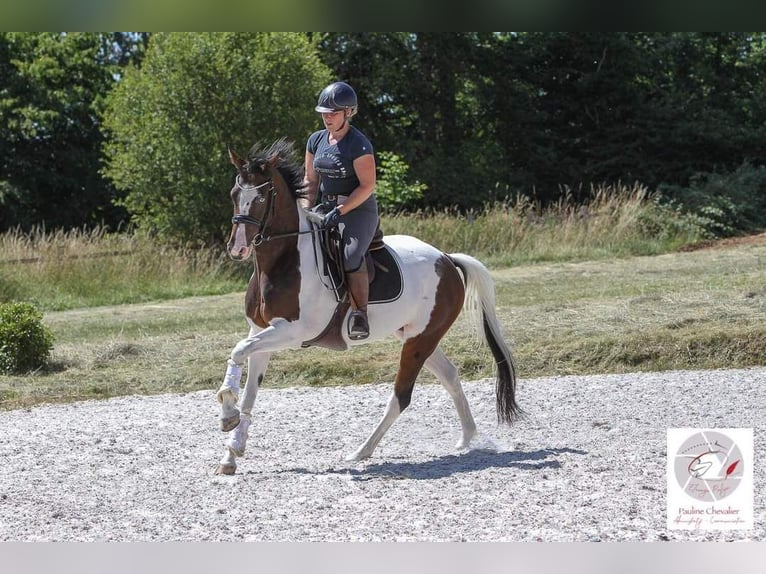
(288, 165)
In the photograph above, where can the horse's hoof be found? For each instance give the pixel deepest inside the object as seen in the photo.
(357, 456)
(227, 469)
(230, 423)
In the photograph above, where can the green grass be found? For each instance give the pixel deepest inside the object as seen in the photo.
(687, 310)
(581, 289)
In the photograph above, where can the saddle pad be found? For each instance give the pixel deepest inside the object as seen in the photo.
(387, 285)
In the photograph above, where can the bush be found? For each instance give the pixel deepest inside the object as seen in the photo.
(25, 343)
(724, 204)
(169, 122)
(393, 191)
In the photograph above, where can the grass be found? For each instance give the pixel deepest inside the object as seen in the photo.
(617, 221)
(58, 271)
(685, 310)
(80, 268)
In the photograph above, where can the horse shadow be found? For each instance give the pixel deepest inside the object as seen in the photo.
(449, 465)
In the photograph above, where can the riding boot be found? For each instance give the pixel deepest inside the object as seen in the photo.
(359, 289)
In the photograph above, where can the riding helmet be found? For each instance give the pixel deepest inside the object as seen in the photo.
(337, 96)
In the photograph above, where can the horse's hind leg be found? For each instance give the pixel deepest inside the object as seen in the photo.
(237, 441)
(448, 301)
(447, 373)
(414, 353)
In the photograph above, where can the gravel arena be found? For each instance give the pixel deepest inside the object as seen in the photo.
(586, 463)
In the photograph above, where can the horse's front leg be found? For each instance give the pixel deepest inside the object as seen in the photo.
(256, 348)
(228, 393)
(237, 441)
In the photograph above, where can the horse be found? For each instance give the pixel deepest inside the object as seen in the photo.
(289, 304)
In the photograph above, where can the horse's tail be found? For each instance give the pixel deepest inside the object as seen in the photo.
(480, 306)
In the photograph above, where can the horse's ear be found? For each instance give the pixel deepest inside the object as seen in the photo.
(273, 161)
(235, 159)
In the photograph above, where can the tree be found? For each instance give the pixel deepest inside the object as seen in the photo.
(483, 116)
(52, 86)
(418, 100)
(171, 120)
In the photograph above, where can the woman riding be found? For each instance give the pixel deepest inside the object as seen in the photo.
(340, 164)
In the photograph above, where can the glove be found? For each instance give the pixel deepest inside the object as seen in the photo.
(332, 218)
(321, 209)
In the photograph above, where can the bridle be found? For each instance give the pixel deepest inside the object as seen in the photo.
(261, 224)
(259, 238)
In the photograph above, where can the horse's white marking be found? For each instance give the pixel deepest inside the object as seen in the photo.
(391, 414)
(241, 247)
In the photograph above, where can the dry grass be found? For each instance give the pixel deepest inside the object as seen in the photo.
(80, 268)
(617, 221)
(702, 309)
(67, 270)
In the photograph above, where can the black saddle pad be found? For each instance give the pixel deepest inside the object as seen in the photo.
(387, 285)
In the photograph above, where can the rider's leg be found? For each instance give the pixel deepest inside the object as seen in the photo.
(359, 227)
(359, 290)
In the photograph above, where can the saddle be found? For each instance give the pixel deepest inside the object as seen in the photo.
(333, 265)
(384, 273)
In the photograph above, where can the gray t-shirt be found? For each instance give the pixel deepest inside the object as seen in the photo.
(334, 163)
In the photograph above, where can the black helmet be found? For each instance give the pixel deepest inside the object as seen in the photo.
(337, 96)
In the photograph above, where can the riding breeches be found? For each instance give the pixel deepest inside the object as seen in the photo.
(357, 228)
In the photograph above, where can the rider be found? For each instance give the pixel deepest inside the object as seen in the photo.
(340, 164)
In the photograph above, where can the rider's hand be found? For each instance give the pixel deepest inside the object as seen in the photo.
(332, 218)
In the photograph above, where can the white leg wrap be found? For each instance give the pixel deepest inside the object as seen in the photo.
(237, 440)
(230, 382)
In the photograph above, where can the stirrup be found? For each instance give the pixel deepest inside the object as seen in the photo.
(358, 327)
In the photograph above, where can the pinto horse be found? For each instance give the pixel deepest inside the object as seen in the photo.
(288, 303)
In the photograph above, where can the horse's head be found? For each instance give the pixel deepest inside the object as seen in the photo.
(264, 180)
(253, 199)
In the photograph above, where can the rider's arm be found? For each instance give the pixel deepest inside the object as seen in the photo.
(364, 166)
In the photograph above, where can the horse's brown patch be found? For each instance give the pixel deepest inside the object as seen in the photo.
(449, 297)
(274, 288)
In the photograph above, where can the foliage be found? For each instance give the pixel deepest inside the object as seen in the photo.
(538, 111)
(25, 342)
(724, 203)
(170, 121)
(393, 191)
(52, 87)
(476, 117)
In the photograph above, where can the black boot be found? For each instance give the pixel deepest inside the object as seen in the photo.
(359, 289)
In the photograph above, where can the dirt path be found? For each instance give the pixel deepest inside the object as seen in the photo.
(587, 463)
